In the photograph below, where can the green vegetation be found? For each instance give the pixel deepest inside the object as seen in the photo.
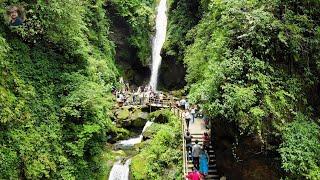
(253, 63)
(139, 14)
(56, 73)
(300, 148)
(256, 64)
(160, 158)
(183, 15)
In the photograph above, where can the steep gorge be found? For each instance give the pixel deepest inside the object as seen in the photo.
(252, 66)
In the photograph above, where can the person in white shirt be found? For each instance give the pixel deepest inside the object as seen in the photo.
(186, 105)
(187, 117)
(193, 113)
(182, 102)
(196, 149)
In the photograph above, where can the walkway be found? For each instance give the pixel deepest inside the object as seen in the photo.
(197, 129)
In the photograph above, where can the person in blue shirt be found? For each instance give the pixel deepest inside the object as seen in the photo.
(204, 162)
(15, 19)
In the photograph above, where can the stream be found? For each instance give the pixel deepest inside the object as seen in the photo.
(120, 169)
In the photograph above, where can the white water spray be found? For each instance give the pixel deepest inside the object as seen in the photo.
(158, 41)
(120, 171)
(133, 141)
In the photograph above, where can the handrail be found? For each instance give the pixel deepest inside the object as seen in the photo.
(184, 153)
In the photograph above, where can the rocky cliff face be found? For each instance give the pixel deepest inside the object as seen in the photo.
(172, 74)
(126, 55)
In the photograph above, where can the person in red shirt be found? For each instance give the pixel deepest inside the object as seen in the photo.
(194, 175)
(206, 140)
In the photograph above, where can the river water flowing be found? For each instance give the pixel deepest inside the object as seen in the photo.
(132, 141)
(158, 41)
(119, 170)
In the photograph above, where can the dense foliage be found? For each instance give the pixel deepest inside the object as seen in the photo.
(183, 15)
(256, 64)
(56, 72)
(139, 14)
(161, 157)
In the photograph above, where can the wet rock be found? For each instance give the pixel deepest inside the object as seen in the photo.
(129, 117)
(139, 118)
(122, 113)
(252, 163)
(151, 131)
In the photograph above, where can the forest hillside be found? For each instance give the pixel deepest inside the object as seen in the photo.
(254, 66)
(251, 66)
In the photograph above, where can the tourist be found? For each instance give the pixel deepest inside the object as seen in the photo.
(204, 162)
(146, 97)
(187, 117)
(206, 140)
(136, 95)
(206, 120)
(15, 16)
(120, 98)
(141, 98)
(186, 105)
(127, 88)
(177, 104)
(139, 89)
(121, 80)
(182, 102)
(161, 97)
(196, 149)
(188, 139)
(194, 175)
(193, 113)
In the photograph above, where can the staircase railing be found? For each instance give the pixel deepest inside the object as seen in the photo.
(178, 113)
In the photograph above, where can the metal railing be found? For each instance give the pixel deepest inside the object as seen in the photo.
(178, 113)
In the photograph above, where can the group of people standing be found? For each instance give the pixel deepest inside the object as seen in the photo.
(141, 96)
(189, 113)
(199, 155)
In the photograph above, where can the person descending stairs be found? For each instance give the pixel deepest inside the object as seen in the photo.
(197, 131)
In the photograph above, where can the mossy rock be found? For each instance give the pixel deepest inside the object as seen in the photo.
(161, 116)
(138, 166)
(123, 114)
(151, 131)
(138, 118)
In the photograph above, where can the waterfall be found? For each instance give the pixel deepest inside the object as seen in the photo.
(132, 141)
(158, 41)
(120, 171)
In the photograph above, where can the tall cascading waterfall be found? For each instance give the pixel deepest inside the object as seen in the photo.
(158, 41)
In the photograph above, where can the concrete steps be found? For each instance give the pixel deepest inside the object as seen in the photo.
(212, 171)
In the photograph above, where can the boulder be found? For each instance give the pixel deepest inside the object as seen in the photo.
(129, 117)
(138, 118)
(151, 131)
(122, 113)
